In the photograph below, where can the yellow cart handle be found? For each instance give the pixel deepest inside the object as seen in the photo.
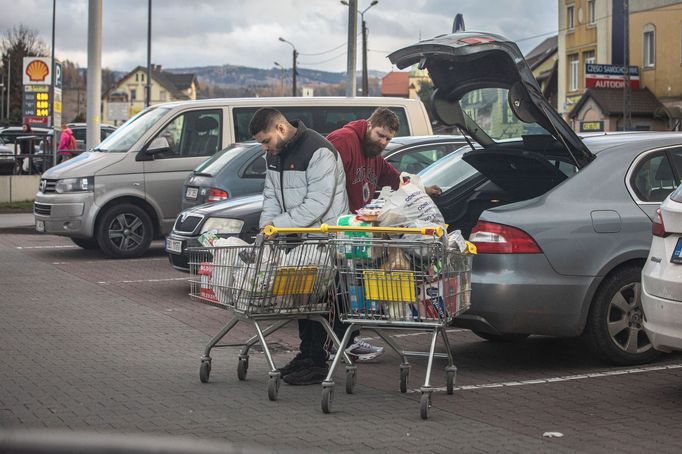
(324, 228)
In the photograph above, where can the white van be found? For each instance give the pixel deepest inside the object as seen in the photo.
(127, 191)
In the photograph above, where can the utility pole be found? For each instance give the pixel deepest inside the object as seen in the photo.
(148, 87)
(627, 106)
(94, 87)
(293, 76)
(52, 71)
(352, 48)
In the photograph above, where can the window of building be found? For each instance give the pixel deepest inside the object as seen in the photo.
(133, 95)
(574, 73)
(649, 46)
(137, 77)
(589, 57)
(570, 24)
(142, 77)
(591, 17)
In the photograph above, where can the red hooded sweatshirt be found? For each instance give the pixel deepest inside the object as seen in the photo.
(363, 174)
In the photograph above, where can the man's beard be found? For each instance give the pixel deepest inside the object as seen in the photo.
(371, 149)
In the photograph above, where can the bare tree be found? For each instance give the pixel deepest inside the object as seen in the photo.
(17, 43)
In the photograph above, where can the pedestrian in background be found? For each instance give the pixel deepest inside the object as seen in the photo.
(305, 186)
(67, 144)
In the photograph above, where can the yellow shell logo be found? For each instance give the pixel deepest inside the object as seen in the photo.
(37, 71)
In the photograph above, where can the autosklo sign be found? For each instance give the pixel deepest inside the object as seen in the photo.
(609, 76)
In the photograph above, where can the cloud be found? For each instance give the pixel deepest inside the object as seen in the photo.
(215, 32)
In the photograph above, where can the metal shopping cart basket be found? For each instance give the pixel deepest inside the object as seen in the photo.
(276, 280)
(414, 282)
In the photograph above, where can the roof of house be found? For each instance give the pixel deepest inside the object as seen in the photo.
(396, 83)
(542, 52)
(173, 83)
(643, 103)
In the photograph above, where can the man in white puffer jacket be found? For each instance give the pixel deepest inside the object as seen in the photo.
(305, 185)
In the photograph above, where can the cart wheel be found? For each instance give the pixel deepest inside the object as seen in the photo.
(425, 405)
(450, 377)
(204, 371)
(327, 397)
(404, 378)
(351, 379)
(242, 368)
(273, 388)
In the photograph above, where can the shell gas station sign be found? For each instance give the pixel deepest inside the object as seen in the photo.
(36, 98)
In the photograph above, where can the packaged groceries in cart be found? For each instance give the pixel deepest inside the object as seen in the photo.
(276, 280)
(410, 284)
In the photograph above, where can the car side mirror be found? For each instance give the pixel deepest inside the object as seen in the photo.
(158, 145)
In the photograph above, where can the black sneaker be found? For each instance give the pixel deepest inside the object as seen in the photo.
(295, 365)
(309, 376)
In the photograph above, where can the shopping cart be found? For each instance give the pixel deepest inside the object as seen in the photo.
(277, 280)
(414, 282)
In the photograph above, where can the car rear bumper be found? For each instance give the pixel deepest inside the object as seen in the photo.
(521, 293)
(662, 321)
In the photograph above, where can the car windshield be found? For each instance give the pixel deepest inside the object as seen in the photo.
(218, 161)
(130, 132)
(489, 109)
(449, 171)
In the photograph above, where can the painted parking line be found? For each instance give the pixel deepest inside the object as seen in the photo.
(542, 381)
(144, 280)
(420, 333)
(64, 246)
(105, 260)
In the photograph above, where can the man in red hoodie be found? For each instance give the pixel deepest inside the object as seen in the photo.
(360, 144)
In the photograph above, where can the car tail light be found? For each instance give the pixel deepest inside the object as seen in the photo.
(214, 195)
(492, 238)
(658, 228)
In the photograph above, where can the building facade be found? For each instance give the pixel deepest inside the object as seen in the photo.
(592, 32)
(127, 97)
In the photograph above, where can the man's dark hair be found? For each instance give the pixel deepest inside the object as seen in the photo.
(264, 119)
(383, 117)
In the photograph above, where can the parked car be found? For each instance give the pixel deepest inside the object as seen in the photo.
(240, 216)
(562, 225)
(662, 277)
(6, 158)
(234, 171)
(80, 131)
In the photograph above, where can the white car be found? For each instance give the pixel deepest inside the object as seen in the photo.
(662, 277)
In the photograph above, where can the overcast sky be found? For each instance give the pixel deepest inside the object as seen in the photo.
(245, 32)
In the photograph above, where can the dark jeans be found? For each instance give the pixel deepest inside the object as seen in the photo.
(313, 337)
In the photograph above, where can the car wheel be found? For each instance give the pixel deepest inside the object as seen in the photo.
(503, 338)
(614, 328)
(85, 243)
(124, 231)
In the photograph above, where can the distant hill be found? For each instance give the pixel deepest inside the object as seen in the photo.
(231, 76)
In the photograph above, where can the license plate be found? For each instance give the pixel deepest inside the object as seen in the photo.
(40, 226)
(191, 193)
(677, 252)
(174, 246)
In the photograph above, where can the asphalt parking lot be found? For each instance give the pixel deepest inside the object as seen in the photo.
(110, 347)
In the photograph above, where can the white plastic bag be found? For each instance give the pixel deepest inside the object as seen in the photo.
(408, 204)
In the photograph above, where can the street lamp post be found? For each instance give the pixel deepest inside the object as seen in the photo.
(365, 78)
(293, 70)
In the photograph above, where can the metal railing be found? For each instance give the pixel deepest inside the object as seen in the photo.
(36, 162)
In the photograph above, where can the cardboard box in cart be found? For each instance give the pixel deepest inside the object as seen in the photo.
(444, 296)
